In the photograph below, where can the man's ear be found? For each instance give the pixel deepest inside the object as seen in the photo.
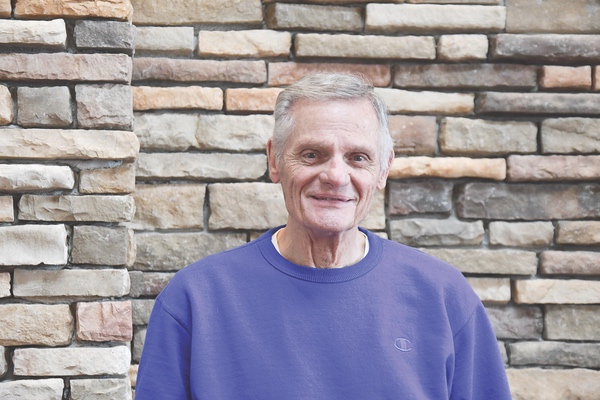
(272, 161)
(384, 174)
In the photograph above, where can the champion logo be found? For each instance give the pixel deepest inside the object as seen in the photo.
(403, 345)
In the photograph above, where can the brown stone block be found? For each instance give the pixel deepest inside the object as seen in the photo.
(436, 232)
(104, 106)
(578, 232)
(314, 17)
(462, 47)
(148, 283)
(448, 167)
(553, 16)
(117, 9)
(596, 78)
(118, 180)
(420, 197)
(5, 8)
(465, 76)
(413, 135)
(546, 48)
(553, 384)
(570, 262)
(559, 77)
(76, 208)
(483, 261)
(44, 107)
(101, 245)
(491, 290)
(177, 98)
(105, 321)
(253, 99)
(286, 73)
(516, 322)
(577, 322)
(35, 325)
(553, 168)
(65, 67)
(177, 70)
(539, 103)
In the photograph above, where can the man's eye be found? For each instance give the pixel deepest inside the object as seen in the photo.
(359, 158)
(310, 155)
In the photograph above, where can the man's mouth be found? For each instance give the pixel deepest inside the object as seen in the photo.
(332, 198)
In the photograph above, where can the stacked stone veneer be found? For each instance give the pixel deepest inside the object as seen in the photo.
(495, 113)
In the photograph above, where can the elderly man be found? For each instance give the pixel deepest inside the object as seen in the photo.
(320, 308)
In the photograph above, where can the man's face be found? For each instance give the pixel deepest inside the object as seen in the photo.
(330, 166)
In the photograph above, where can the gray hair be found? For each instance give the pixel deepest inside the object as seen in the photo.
(322, 87)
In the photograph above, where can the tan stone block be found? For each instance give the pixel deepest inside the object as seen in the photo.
(553, 168)
(401, 18)
(7, 213)
(149, 283)
(553, 384)
(39, 389)
(555, 291)
(578, 232)
(231, 209)
(151, 12)
(376, 218)
(72, 361)
(177, 70)
(6, 106)
(68, 144)
(141, 311)
(436, 232)
(133, 373)
(105, 321)
(286, 73)
(34, 177)
(413, 135)
(585, 355)
(91, 389)
(44, 107)
(5, 8)
(553, 16)
(559, 77)
(404, 101)
(201, 166)
(70, 283)
(516, 322)
(365, 46)
(35, 325)
(172, 206)
(575, 322)
(253, 99)
(164, 40)
(52, 34)
(491, 290)
(234, 132)
(3, 365)
(177, 98)
(4, 288)
(114, 9)
(252, 43)
(102, 245)
(104, 106)
(118, 180)
(571, 135)
(570, 262)
(33, 245)
(462, 47)
(479, 261)
(542, 103)
(314, 17)
(448, 167)
(65, 67)
(521, 234)
(76, 208)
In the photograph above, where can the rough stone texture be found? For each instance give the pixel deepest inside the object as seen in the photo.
(571, 135)
(548, 384)
(413, 135)
(39, 389)
(99, 389)
(539, 103)
(403, 101)
(578, 232)
(313, 17)
(375, 220)
(400, 18)
(546, 48)
(5, 8)
(7, 213)
(4, 292)
(253, 99)
(201, 166)
(46, 144)
(420, 197)
(76, 208)
(491, 290)
(44, 107)
(101, 245)
(117, 180)
(558, 77)
(176, 41)
(516, 322)
(35, 325)
(105, 321)
(231, 210)
(151, 12)
(138, 344)
(72, 361)
(529, 202)
(596, 79)
(153, 212)
(521, 234)
(3, 364)
(148, 283)
(141, 310)
(177, 70)
(575, 16)
(555, 291)
(448, 167)
(6, 106)
(376, 47)
(570, 262)
(105, 35)
(572, 322)
(34, 177)
(585, 355)
(52, 34)
(104, 106)
(65, 67)
(553, 168)
(462, 47)
(252, 43)
(70, 283)
(33, 245)
(479, 261)
(466, 76)
(189, 97)
(285, 73)
(436, 232)
(118, 9)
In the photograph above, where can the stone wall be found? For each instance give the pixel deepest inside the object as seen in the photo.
(494, 112)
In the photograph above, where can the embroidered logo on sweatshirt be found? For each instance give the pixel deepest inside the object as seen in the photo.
(403, 344)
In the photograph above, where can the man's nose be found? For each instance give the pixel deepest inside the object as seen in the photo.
(336, 172)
